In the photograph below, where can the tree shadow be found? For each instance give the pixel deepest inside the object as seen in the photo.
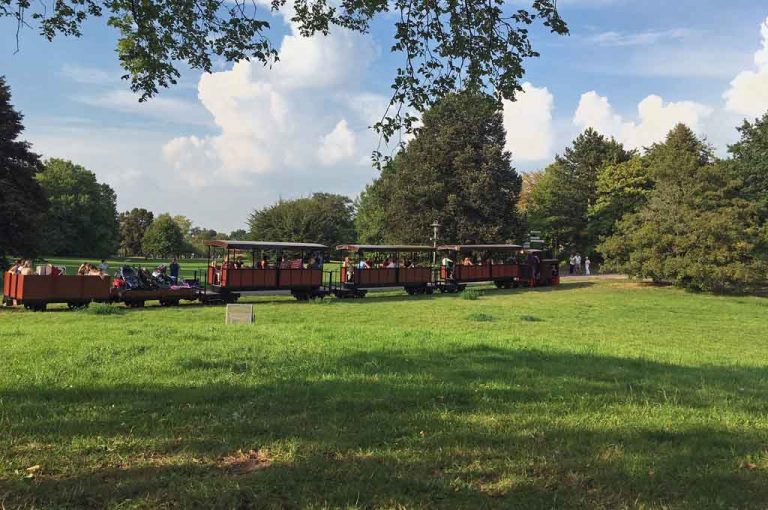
(470, 427)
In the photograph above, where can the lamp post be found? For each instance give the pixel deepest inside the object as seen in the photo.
(435, 232)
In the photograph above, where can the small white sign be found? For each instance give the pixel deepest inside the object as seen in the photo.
(239, 314)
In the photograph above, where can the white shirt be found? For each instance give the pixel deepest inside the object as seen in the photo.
(103, 267)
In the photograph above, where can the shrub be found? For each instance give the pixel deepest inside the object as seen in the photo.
(471, 294)
(103, 309)
(481, 317)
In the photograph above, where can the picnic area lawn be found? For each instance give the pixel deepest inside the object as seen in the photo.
(594, 394)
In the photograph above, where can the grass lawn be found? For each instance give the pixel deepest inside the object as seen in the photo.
(599, 394)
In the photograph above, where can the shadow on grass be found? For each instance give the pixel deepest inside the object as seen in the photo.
(476, 427)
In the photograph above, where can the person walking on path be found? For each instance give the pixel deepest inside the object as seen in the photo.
(586, 266)
(571, 264)
(578, 264)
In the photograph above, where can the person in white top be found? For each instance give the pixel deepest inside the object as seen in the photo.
(103, 267)
(578, 263)
(586, 266)
(363, 265)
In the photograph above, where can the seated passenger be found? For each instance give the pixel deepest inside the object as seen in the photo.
(15, 267)
(392, 264)
(239, 262)
(363, 264)
(264, 264)
(467, 261)
(27, 268)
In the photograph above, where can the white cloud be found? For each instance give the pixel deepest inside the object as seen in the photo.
(338, 145)
(748, 92)
(655, 118)
(304, 111)
(164, 108)
(649, 37)
(528, 122)
(88, 75)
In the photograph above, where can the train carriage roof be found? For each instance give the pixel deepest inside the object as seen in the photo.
(254, 245)
(382, 247)
(473, 247)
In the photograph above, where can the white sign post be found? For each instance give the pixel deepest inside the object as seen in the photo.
(239, 314)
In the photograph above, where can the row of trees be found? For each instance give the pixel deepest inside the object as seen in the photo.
(673, 213)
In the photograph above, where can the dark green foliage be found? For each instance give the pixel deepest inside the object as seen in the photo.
(447, 44)
(560, 202)
(133, 226)
(750, 163)
(371, 207)
(320, 218)
(238, 235)
(163, 238)
(82, 219)
(22, 201)
(697, 230)
(455, 171)
(622, 188)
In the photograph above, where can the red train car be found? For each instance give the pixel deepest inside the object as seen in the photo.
(36, 292)
(247, 266)
(374, 266)
(466, 263)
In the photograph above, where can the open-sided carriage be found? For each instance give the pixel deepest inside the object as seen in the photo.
(235, 267)
(135, 298)
(469, 263)
(369, 266)
(134, 287)
(36, 292)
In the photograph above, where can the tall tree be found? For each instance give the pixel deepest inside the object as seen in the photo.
(83, 217)
(163, 237)
(455, 171)
(750, 162)
(320, 218)
(22, 201)
(622, 188)
(371, 207)
(696, 229)
(446, 44)
(560, 203)
(133, 226)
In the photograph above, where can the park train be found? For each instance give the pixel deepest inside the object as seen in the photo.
(299, 268)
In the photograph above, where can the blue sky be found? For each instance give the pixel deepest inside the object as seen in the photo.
(217, 146)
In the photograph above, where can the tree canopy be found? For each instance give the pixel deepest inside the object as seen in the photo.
(163, 237)
(133, 226)
(82, 218)
(560, 202)
(455, 170)
(446, 44)
(320, 218)
(697, 228)
(22, 202)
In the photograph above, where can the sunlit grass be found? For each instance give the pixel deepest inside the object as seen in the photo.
(590, 395)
